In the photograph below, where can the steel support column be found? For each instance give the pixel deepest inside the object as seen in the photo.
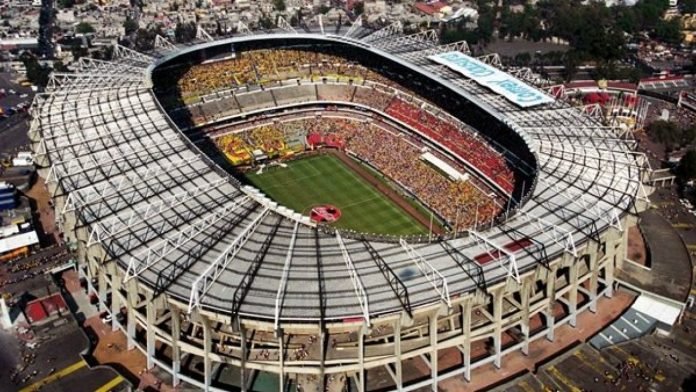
(281, 359)
(361, 359)
(551, 295)
(397, 355)
(594, 280)
(207, 349)
(243, 345)
(573, 295)
(524, 324)
(176, 350)
(466, 333)
(498, 325)
(150, 333)
(432, 330)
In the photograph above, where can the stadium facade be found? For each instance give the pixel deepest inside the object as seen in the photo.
(221, 286)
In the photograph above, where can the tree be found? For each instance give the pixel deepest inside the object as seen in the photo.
(47, 16)
(279, 5)
(185, 32)
(668, 31)
(665, 132)
(58, 66)
(323, 9)
(266, 22)
(36, 73)
(358, 8)
(84, 28)
(130, 26)
(688, 6)
(66, 3)
(570, 66)
(688, 135)
(687, 166)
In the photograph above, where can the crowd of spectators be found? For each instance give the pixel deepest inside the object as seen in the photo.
(464, 144)
(373, 97)
(398, 157)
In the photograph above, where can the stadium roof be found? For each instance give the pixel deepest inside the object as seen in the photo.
(180, 224)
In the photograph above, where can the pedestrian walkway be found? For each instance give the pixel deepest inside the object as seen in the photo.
(54, 377)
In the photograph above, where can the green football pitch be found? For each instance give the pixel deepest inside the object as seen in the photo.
(324, 179)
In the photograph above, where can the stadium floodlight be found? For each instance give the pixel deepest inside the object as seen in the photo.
(436, 279)
(115, 224)
(355, 278)
(156, 252)
(280, 294)
(495, 251)
(209, 276)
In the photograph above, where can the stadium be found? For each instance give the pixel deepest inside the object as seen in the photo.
(360, 210)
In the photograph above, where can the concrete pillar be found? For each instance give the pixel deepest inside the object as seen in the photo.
(281, 359)
(573, 295)
(132, 300)
(466, 332)
(397, 354)
(432, 331)
(609, 278)
(176, 350)
(594, 282)
(245, 355)
(207, 349)
(524, 324)
(322, 356)
(551, 295)
(150, 333)
(497, 325)
(361, 358)
(101, 289)
(115, 297)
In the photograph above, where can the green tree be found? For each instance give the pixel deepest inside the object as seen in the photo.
(279, 5)
(323, 9)
(66, 3)
(58, 66)
(130, 26)
(84, 28)
(359, 8)
(650, 12)
(665, 132)
(36, 73)
(266, 22)
(668, 31)
(688, 6)
(185, 32)
(687, 166)
(570, 66)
